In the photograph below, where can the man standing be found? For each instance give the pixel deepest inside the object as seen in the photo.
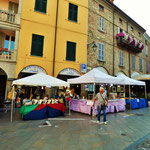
(101, 97)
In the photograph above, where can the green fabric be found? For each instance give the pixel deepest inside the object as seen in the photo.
(26, 109)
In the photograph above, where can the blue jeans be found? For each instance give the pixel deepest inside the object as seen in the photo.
(99, 112)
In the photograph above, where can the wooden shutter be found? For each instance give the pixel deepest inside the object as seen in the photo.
(41, 5)
(71, 51)
(118, 29)
(140, 65)
(99, 51)
(121, 58)
(133, 62)
(146, 50)
(101, 24)
(73, 12)
(37, 45)
(147, 65)
(2, 40)
(13, 7)
(44, 5)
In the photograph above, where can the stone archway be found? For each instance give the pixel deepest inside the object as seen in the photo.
(30, 70)
(120, 72)
(134, 74)
(102, 69)
(68, 73)
(3, 81)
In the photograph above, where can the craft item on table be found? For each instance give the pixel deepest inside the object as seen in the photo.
(61, 100)
(49, 101)
(40, 101)
(90, 102)
(44, 102)
(34, 101)
(27, 103)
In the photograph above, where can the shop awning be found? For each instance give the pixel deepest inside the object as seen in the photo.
(142, 77)
(40, 79)
(129, 81)
(95, 76)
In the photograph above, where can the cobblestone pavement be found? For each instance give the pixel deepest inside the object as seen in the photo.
(143, 146)
(124, 130)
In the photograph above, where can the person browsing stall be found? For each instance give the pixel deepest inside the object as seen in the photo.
(101, 98)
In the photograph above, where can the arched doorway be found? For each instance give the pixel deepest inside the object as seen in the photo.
(69, 73)
(3, 80)
(102, 69)
(30, 70)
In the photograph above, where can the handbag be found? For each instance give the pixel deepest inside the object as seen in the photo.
(105, 101)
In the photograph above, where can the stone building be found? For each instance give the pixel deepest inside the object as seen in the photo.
(115, 41)
(10, 14)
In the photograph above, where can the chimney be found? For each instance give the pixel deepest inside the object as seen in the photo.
(111, 1)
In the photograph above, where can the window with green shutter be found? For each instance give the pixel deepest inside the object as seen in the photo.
(41, 5)
(133, 62)
(71, 51)
(147, 67)
(140, 62)
(37, 45)
(73, 12)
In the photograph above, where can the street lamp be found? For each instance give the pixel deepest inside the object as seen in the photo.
(94, 46)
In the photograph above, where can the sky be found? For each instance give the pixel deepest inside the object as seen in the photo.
(138, 10)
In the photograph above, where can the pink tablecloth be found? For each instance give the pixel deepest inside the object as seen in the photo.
(82, 106)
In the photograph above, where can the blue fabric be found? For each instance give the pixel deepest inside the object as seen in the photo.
(134, 104)
(143, 103)
(127, 101)
(52, 113)
(36, 114)
(99, 112)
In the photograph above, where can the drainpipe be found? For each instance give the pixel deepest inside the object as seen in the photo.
(129, 56)
(114, 42)
(55, 38)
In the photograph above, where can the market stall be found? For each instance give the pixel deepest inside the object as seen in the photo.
(95, 77)
(134, 103)
(86, 106)
(42, 108)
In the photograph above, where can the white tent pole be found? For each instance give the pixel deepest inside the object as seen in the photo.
(93, 113)
(130, 95)
(145, 92)
(12, 105)
(125, 90)
(69, 109)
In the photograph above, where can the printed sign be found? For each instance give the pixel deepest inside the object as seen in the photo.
(33, 69)
(70, 72)
(83, 68)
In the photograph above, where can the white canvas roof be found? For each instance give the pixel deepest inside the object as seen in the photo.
(142, 77)
(129, 81)
(95, 76)
(40, 79)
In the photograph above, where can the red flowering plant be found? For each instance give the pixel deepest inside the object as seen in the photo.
(121, 34)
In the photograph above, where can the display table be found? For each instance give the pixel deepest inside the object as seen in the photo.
(84, 106)
(41, 111)
(137, 103)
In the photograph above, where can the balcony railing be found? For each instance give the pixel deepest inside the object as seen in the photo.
(129, 43)
(7, 55)
(7, 16)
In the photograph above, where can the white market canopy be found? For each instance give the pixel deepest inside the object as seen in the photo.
(129, 81)
(95, 76)
(142, 77)
(40, 79)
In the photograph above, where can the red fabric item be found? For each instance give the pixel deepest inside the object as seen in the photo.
(59, 106)
(68, 99)
(40, 106)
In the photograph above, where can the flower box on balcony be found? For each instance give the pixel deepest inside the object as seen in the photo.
(129, 43)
